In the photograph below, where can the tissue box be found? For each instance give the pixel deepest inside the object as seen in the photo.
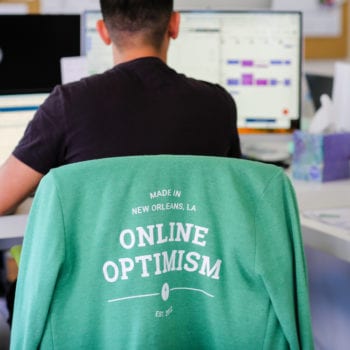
(321, 157)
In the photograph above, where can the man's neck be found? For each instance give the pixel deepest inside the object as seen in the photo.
(133, 54)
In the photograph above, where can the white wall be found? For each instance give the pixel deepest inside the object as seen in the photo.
(221, 4)
(65, 6)
(326, 66)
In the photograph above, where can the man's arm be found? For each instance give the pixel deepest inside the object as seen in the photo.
(17, 182)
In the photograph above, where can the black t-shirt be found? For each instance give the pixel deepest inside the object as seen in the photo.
(139, 107)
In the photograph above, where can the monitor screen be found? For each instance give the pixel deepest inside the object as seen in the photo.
(15, 113)
(31, 47)
(255, 55)
(99, 56)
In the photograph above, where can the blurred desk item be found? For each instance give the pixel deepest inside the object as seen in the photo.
(319, 85)
(12, 227)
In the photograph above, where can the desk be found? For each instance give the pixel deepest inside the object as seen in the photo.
(329, 239)
(329, 282)
(12, 227)
(11, 230)
(312, 196)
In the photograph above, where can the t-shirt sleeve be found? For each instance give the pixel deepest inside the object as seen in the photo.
(42, 145)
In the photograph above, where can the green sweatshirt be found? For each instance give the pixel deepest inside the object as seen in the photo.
(163, 252)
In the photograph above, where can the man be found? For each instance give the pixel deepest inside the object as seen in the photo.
(141, 106)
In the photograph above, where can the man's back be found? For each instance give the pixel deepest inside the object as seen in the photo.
(89, 120)
(138, 107)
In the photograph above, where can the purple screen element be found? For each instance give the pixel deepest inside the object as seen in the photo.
(247, 63)
(233, 82)
(247, 79)
(261, 82)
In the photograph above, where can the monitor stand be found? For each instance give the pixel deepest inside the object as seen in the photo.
(269, 148)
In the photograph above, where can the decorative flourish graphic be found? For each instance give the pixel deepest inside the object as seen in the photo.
(165, 293)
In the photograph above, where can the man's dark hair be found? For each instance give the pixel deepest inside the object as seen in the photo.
(150, 17)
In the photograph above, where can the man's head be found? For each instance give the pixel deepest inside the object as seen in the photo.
(147, 20)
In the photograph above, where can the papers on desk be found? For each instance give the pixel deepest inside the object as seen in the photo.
(339, 217)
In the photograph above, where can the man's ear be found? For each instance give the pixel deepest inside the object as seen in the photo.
(103, 32)
(174, 25)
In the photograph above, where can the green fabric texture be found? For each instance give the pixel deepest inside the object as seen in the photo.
(163, 252)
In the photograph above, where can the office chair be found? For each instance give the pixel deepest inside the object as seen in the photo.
(163, 252)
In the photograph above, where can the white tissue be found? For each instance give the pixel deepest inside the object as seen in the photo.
(323, 121)
(341, 96)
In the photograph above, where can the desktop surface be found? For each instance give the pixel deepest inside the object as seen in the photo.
(327, 197)
(269, 148)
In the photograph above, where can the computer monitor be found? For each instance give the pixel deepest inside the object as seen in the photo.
(31, 47)
(16, 110)
(255, 55)
(98, 55)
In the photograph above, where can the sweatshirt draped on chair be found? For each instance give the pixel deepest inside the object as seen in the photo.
(163, 252)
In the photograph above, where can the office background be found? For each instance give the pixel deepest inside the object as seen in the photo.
(320, 50)
(329, 276)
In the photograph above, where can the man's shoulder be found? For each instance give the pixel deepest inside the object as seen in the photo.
(91, 80)
(204, 84)
(210, 89)
(90, 85)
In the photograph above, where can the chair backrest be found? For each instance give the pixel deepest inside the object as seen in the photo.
(163, 252)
